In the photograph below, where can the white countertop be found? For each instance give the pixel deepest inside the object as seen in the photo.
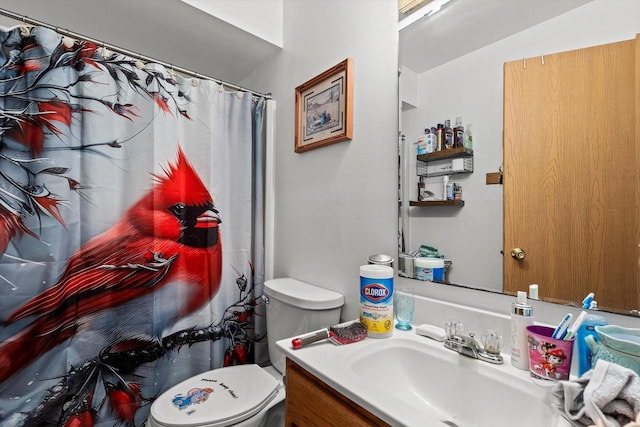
(394, 394)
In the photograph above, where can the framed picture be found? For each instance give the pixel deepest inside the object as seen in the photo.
(324, 108)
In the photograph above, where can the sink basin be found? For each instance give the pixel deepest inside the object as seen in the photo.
(409, 380)
(463, 391)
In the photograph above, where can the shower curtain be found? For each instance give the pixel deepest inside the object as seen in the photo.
(130, 230)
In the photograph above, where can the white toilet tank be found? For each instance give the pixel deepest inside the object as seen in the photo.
(295, 308)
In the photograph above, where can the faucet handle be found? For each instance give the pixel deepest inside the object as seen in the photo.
(453, 328)
(492, 341)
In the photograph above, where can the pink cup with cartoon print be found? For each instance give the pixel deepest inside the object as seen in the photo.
(549, 358)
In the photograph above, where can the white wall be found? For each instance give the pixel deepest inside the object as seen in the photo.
(262, 18)
(472, 87)
(335, 205)
(408, 87)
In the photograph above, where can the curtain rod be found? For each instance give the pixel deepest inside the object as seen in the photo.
(27, 20)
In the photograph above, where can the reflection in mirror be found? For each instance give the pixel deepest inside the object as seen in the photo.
(451, 66)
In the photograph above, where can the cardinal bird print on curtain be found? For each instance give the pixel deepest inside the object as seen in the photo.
(113, 283)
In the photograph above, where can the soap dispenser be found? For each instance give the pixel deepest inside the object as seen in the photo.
(521, 317)
(587, 328)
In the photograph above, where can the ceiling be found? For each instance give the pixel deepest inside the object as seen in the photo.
(200, 42)
(462, 26)
(170, 31)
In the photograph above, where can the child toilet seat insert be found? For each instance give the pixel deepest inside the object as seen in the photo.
(216, 398)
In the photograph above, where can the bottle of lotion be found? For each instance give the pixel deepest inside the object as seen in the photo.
(521, 317)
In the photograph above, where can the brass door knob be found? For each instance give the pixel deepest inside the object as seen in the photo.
(518, 253)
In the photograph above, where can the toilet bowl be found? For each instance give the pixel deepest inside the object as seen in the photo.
(250, 395)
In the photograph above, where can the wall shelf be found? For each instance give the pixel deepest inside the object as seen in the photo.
(446, 162)
(437, 203)
(451, 153)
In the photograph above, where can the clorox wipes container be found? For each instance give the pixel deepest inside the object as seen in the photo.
(376, 299)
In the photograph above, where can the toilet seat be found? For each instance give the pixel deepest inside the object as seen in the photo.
(216, 398)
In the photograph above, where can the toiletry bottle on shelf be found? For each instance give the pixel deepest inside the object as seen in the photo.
(430, 137)
(458, 133)
(521, 317)
(587, 328)
(421, 145)
(421, 189)
(439, 138)
(468, 138)
(447, 135)
(457, 192)
(450, 186)
(445, 185)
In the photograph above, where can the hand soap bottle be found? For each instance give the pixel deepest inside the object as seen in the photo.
(587, 328)
(521, 317)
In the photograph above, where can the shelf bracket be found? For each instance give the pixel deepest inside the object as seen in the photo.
(495, 177)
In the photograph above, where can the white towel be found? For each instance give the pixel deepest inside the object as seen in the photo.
(612, 396)
(606, 396)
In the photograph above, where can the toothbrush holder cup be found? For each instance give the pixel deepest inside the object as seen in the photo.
(549, 358)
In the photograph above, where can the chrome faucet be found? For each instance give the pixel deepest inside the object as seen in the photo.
(468, 346)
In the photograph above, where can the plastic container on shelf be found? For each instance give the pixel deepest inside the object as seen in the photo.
(458, 133)
(468, 138)
(421, 145)
(427, 268)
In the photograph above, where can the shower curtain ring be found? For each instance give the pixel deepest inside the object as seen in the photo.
(25, 31)
(105, 52)
(139, 63)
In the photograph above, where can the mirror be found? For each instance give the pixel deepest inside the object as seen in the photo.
(452, 66)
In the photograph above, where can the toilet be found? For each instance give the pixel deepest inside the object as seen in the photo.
(250, 395)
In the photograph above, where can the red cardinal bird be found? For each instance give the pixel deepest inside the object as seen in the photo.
(163, 256)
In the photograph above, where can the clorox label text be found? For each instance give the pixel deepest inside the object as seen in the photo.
(375, 292)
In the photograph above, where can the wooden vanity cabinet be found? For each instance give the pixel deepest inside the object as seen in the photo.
(310, 402)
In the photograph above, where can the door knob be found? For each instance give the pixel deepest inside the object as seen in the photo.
(518, 253)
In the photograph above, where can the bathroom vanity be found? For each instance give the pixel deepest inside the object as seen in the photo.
(408, 380)
(310, 401)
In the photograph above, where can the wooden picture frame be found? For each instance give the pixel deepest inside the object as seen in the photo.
(324, 108)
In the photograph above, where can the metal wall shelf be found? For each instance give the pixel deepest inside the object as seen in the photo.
(437, 203)
(451, 153)
(441, 163)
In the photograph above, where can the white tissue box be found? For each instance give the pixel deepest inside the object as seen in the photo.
(441, 167)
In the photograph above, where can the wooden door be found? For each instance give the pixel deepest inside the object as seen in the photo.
(571, 175)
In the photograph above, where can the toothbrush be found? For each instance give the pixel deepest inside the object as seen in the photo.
(562, 327)
(586, 302)
(574, 328)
